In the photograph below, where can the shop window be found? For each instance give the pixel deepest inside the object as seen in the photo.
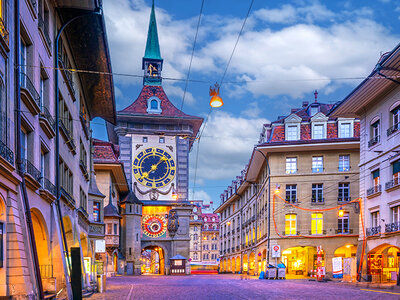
(96, 211)
(290, 224)
(317, 193)
(317, 164)
(343, 224)
(1, 244)
(291, 165)
(291, 193)
(316, 223)
(344, 163)
(344, 192)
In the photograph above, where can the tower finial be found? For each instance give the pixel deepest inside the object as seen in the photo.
(316, 96)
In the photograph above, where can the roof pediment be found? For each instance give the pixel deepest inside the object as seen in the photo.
(319, 117)
(293, 118)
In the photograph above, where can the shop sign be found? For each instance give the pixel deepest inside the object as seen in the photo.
(337, 267)
(100, 246)
(276, 251)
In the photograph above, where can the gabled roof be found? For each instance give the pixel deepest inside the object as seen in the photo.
(303, 112)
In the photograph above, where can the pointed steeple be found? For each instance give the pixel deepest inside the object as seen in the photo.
(152, 61)
(152, 46)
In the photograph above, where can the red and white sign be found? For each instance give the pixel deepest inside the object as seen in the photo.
(276, 251)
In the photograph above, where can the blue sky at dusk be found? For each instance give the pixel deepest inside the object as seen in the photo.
(287, 50)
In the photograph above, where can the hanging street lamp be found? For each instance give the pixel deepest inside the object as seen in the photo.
(216, 100)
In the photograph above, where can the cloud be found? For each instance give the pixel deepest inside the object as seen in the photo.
(253, 110)
(200, 195)
(225, 146)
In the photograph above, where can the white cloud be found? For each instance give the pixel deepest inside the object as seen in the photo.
(200, 195)
(253, 110)
(225, 146)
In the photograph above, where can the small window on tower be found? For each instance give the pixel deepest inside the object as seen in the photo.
(144, 139)
(162, 140)
(154, 104)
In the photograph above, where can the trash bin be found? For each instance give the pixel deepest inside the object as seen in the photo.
(281, 271)
(271, 272)
(101, 283)
(262, 275)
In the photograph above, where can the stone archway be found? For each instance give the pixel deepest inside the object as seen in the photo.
(245, 263)
(252, 263)
(42, 243)
(238, 263)
(233, 265)
(153, 260)
(383, 263)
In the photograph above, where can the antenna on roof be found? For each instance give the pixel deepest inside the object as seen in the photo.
(316, 96)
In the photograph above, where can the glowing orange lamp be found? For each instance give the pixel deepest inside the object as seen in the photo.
(341, 212)
(216, 100)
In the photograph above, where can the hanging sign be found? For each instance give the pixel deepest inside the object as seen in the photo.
(100, 246)
(276, 251)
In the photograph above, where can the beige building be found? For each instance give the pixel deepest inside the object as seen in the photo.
(376, 102)
(306, 167)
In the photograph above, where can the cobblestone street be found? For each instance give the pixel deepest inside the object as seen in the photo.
(232, 287)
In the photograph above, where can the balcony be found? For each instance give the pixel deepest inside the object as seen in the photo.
(67, 196)
(374, 191)
(315, 233)
(291, 234)
(343, 231)
(375, 140)
(392, 184)
(46, 122)
(29, 94)
(343, 199)
(6, 153)
(5, 38)
(112, 240)
(317, 201)
(44, 30)
(30, 169)
(68, 137)
(47, 188)
(84, 170)
(392, 227)
(373, 231)
(393, 129)
(289, 201)
(67, 74)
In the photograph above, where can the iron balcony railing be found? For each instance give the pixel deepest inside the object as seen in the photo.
(290, 234)
(343, 231)
(6, 153)
(68, 134)
(4, 32)
(392, 183)
(375, 189)
(67, 196)
(343, 199)
(47, 185)
(44, 113)
(394, 128)
(43, 27)
(316, 232)
(392, 227)
(317, 200)
(30, 169)
(83, 167)
(291, 200)
(27, 84)
(375, 140)
(68, 76)
(373, 230)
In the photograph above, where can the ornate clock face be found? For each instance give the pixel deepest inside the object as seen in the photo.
(154, 225)
(154, 167)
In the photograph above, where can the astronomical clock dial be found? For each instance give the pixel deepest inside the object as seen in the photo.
(154, 167)
(154, 225)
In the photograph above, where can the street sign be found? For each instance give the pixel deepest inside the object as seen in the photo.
(276, 251)
(100, 246)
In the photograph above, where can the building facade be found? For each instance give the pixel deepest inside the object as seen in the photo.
(376, 102)
(155, 139)
(32, 255)
(302, 183)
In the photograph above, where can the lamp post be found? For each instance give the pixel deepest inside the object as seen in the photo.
(97, 11)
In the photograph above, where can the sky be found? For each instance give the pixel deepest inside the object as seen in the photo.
(288, 49)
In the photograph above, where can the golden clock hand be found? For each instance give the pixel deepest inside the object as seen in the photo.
(154, 167)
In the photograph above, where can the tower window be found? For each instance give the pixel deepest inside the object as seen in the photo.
(154, 105)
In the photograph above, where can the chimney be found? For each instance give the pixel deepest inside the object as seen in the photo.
(305, 104)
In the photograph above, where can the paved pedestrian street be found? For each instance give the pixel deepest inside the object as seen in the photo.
(232, 287)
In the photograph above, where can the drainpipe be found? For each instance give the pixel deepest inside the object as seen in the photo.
(57, 117)
(269, 205)
(24, 195)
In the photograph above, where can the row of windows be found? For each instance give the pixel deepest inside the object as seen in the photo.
(394, 216)
(317, 192)
(318, 131)
(317, 224)
(317, 164)
(376, 178)
(375, 128)
(161, 139)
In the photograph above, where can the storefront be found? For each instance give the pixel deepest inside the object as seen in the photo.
(301, 260)
(383, 263)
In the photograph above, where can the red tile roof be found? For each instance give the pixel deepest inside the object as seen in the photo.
(105, 152)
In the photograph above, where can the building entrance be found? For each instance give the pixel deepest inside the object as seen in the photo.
(152, 261)
(383, 263)
(299, 260)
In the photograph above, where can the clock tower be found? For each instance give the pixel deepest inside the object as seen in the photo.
(155, 138)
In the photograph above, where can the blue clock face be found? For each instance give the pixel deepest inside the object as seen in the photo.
(154, 167)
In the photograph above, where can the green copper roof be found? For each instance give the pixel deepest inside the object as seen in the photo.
(152, 45)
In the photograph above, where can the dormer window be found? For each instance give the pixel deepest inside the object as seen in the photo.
(292, 127)
(292, 132)
(154, 105)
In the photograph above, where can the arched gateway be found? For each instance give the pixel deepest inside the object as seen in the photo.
(152, 260)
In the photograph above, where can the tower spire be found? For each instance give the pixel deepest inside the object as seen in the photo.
(152, 61)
